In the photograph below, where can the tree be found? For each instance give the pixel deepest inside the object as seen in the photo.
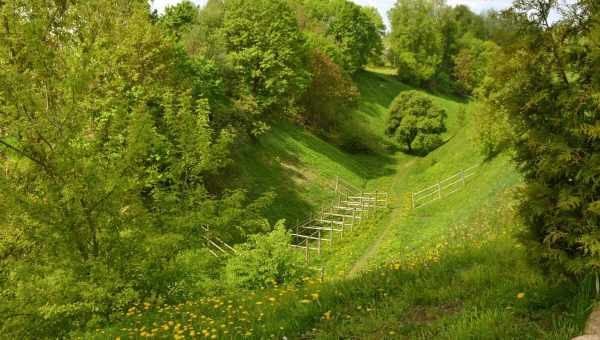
(472, 62)
(356, 31)
(416, 122)
(330, 94)
(549, 88)
(179, 18)
(268, 54)
(416, 40)
(104, 152)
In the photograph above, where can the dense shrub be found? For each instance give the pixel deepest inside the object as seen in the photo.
(265, 260)
(356, 136)
(416, 122)
(550, 91)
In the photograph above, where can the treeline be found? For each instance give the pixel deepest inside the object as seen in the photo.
(275, 60)
(441, 47)
(115, 123)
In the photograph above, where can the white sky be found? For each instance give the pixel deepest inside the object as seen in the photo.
(476, 6)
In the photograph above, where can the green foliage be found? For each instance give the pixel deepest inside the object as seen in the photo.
(473, 61)
(356, 34)
(550, 90)
(353, 33)
(268, 56)
(356, 136)
(416, 122)
(265, 260)
(330, 95)
(178, 19)
(416, 40)
(105, 147)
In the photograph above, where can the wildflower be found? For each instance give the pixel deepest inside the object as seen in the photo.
(520, 295)
(327, 315)
(259, 302)
(315, 296)
(305, 301)
(392, 332)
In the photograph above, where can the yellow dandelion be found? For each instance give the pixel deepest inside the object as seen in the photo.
(315, 296)
(305, 301)
(327, 315)
(520, 295)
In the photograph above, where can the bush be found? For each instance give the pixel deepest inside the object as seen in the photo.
(357, 137)
(265, 260)
(416, 122)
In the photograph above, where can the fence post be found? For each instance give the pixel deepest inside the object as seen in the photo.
(319, 244)
(353, 218)
(412, 195)
(306, 251)
(322, 273)
(439, 187)
(462, 177)
(376, 200)
(337, 183)
(331, 231)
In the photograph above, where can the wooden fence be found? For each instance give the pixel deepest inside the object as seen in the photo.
(215, 245)
(349, 207)
(443, 188)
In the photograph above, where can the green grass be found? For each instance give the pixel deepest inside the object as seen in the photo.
(449, 270)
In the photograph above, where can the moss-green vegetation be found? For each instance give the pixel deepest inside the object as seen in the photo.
(452, 269)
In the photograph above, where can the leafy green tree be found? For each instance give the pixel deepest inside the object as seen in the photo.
(268, 54)
(179, 18)
(104, 151)
(356, 34)
(416, 40)
(416, 122)
(549, 88)
(473, 61)
(356, 31)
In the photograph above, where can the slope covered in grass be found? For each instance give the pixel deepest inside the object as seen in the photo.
(451, 270)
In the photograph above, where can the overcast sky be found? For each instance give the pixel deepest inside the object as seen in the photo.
(476, 6)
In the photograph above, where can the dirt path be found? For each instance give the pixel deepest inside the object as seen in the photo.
(387, 231)
(363, 260)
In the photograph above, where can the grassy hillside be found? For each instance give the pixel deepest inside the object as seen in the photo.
(450, 270)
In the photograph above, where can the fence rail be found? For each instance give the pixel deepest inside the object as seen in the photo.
(443, 188)
(215, 245)
(347, 209)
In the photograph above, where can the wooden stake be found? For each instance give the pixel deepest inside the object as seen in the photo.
(306, 251)
(319, 244)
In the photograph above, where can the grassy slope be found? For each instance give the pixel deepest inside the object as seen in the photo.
(450, 270)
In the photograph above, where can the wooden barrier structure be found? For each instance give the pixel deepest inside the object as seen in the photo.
(349, 207)
(215, 245)
(443, 188)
